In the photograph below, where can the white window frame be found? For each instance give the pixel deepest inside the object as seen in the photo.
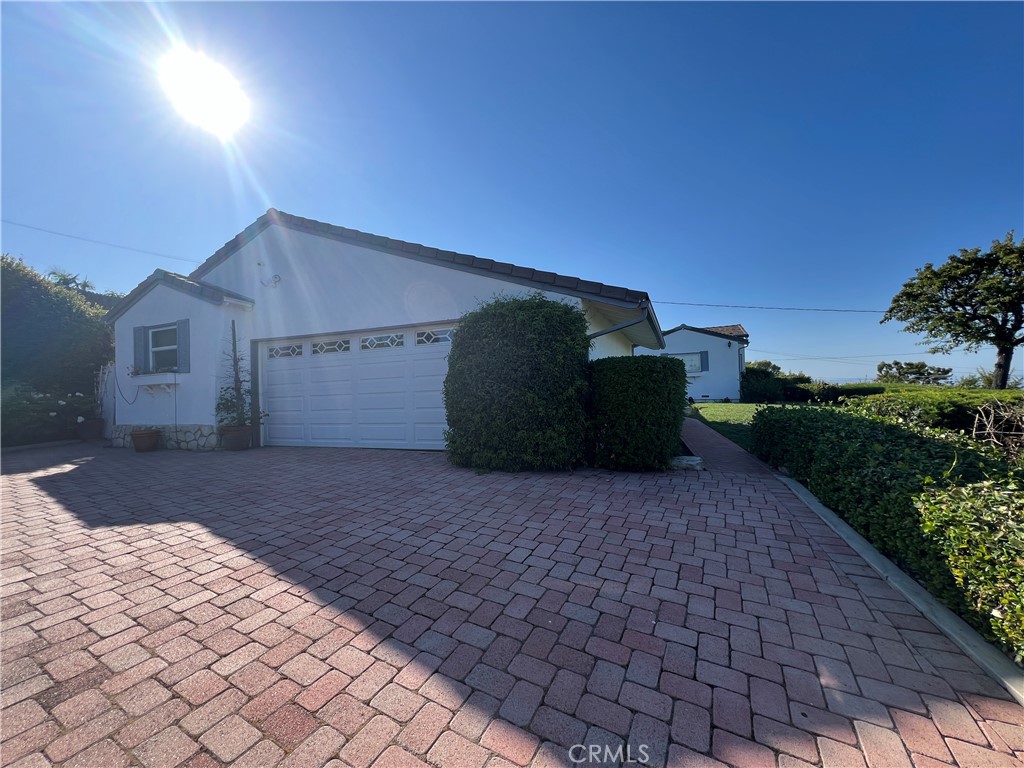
(154, 349)
(695, 370)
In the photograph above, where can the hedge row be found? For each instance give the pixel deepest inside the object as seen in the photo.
(875, 473)
(521, 395)
(942, 407)
(980, 531)
(758, 385)
(52, 344)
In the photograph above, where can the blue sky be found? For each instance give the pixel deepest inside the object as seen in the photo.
(804, 154)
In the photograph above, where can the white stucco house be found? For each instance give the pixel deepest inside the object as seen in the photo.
(714, 358)
(347, 334)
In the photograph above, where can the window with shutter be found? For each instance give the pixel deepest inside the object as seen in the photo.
(162, 348)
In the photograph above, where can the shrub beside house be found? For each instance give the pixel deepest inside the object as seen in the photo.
(520, 395)
(52, 344)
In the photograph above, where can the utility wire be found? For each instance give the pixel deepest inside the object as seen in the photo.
(100, 242)
(783, 309)
(797, 356)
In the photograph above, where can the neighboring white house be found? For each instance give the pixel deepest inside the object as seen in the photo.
(714, 358)
(347, 334)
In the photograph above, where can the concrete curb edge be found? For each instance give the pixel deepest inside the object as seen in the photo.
(998, 666)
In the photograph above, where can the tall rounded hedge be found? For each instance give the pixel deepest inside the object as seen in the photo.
(637, 409)
(514, 393)
(51, 338)
(52, 344)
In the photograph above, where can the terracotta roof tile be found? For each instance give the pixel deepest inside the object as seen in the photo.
(727, 330)
(735, 331)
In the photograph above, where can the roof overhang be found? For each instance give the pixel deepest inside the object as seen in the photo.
(638, 323)
(197, 288)
(706, 332)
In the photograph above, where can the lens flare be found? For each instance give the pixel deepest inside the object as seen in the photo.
(204, 92)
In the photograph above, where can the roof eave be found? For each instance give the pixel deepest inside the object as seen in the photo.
(685, 327)
(204, 292)
(561, 284)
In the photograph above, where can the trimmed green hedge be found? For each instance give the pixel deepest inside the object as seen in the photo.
(514, 393)
(872, 473)
(636, 411)
(758, 385)
(943, 407)
(863, 389)
(980, 530)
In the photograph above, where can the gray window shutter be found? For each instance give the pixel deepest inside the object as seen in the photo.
(703, 361)
(183, 347)
(141, 353)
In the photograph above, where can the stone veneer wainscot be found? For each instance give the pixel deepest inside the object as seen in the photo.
(185, 437)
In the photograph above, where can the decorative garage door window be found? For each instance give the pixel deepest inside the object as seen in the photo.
(330, 347)
(382, 342)
(437, 336)
(286, 350)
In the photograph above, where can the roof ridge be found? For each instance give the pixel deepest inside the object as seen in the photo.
(455, 259)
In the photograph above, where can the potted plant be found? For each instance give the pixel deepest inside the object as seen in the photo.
(145, 439)
(236, 413)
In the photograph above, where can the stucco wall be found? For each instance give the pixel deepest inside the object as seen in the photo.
(188, 398)
(610, 345)
(722, 379)
(322, 286)
(326, 286)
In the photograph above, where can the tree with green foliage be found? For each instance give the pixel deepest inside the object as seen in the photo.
(984, 379)
(765, 365)
(65, 279)
(918, 372)
(973, 300)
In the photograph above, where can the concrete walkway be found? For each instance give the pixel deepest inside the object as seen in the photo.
(311, 607)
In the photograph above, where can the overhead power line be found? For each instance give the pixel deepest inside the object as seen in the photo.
(782, 309)
(100, 242)
(798, 356)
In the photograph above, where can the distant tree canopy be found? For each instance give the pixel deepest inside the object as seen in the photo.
(51, 337)
(973, 300)
(66, 279)
(898, 372)
(985, 378)
(765, 365)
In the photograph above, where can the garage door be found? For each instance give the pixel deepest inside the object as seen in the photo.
(359, 390)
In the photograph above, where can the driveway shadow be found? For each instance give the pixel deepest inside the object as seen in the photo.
(532, 612)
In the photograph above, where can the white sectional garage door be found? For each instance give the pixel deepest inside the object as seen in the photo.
(360, 390)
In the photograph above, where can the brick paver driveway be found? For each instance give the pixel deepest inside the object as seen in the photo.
(303, 607)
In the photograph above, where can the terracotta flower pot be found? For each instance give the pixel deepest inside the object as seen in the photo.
(90, 429)
(235, 438)
(145, 440)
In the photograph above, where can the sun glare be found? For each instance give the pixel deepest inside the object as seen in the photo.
(204, 92)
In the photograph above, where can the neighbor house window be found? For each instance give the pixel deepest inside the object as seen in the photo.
(163, 348)
(695, 362)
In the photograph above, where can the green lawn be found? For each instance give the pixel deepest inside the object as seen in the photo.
(729, 419)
